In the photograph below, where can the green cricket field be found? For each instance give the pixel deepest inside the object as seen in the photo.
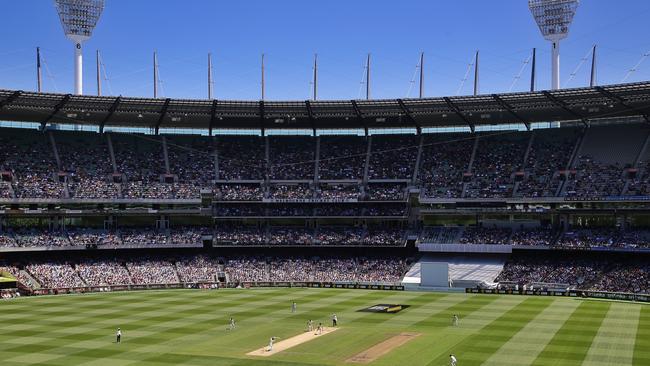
(191, 327)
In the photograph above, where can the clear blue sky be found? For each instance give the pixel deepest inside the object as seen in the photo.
(342, 32)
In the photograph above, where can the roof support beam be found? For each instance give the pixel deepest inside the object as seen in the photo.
(56, 110)
(10, 99)
(360, 118)
(555, 100)
(459, 113)
(408, 115)
(622, 102)
(507, 107)
(163, 113)
(111, 110)
(262, 123)
(310, 114)
(213, 116)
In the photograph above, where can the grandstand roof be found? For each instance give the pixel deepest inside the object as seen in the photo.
(489, 109)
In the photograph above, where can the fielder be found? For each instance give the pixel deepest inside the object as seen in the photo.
(319, 329)
(454, 320)
(232, 324)
(310, 325)
(452, 360)
(118, 336)
(293, 307)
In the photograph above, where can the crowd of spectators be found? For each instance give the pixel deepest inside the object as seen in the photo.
(445, 158)
(198, 268)
(339, 235)
(622, 275)
(594, 178)
(485, 235)
(496, 160)
(239, 235)
(386, 192)
(607, 237)
(292, 157)
(241, 158)
(55, 275)
(152, 271)
(533, 237)
(337, 192)
(337, 269)
(342, 157)
(549, 154)
(201, 268)
(37, 166)
(103, 272)
(290, 191)
(238, 192)
(393, 157)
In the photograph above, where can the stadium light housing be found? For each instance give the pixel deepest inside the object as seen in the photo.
(553, 17)
(79, 18)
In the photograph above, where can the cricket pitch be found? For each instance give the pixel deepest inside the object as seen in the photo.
(382, 348)
(290, 342)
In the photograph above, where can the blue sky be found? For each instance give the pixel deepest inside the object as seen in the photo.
(342, 32)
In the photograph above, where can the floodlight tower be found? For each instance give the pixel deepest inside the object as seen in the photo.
(78, 18)
(554, 18)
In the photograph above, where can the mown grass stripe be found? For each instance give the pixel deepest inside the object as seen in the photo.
(477, 348)
(571, 343)
(523, 347)
(614, 343)
(442, 317)
(642, 342)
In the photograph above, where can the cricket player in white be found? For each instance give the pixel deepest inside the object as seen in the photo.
(118, 336)
(454, 320)
(310, 325)
(452, 360)
(319, 329)
(271, 343)
(232, 324)
(293, 307)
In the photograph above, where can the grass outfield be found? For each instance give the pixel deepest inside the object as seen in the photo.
(188, 327)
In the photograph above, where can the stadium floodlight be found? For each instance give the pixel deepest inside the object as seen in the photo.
(78, 18)
(554, 18)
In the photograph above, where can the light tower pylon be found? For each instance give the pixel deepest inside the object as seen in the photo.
(553, 17)
(79, 18)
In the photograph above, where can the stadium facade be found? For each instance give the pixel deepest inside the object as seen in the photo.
(525, 176)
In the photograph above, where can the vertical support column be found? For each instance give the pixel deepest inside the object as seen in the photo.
(263, 86)
(99, 79)
(555, 65)
(368, 77)
(421, 74)
(39, 78)
(78, 69)
(155, 75)
(523, 163)
(109, 142)
(166, 155)
(55, 151)
(532, 71)
(592, 79)
(366, 167)
(209, 76)
(416, 169)
(317, 160)
(476, 74)
(216, 158)
(315, 96)
(267, 157)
